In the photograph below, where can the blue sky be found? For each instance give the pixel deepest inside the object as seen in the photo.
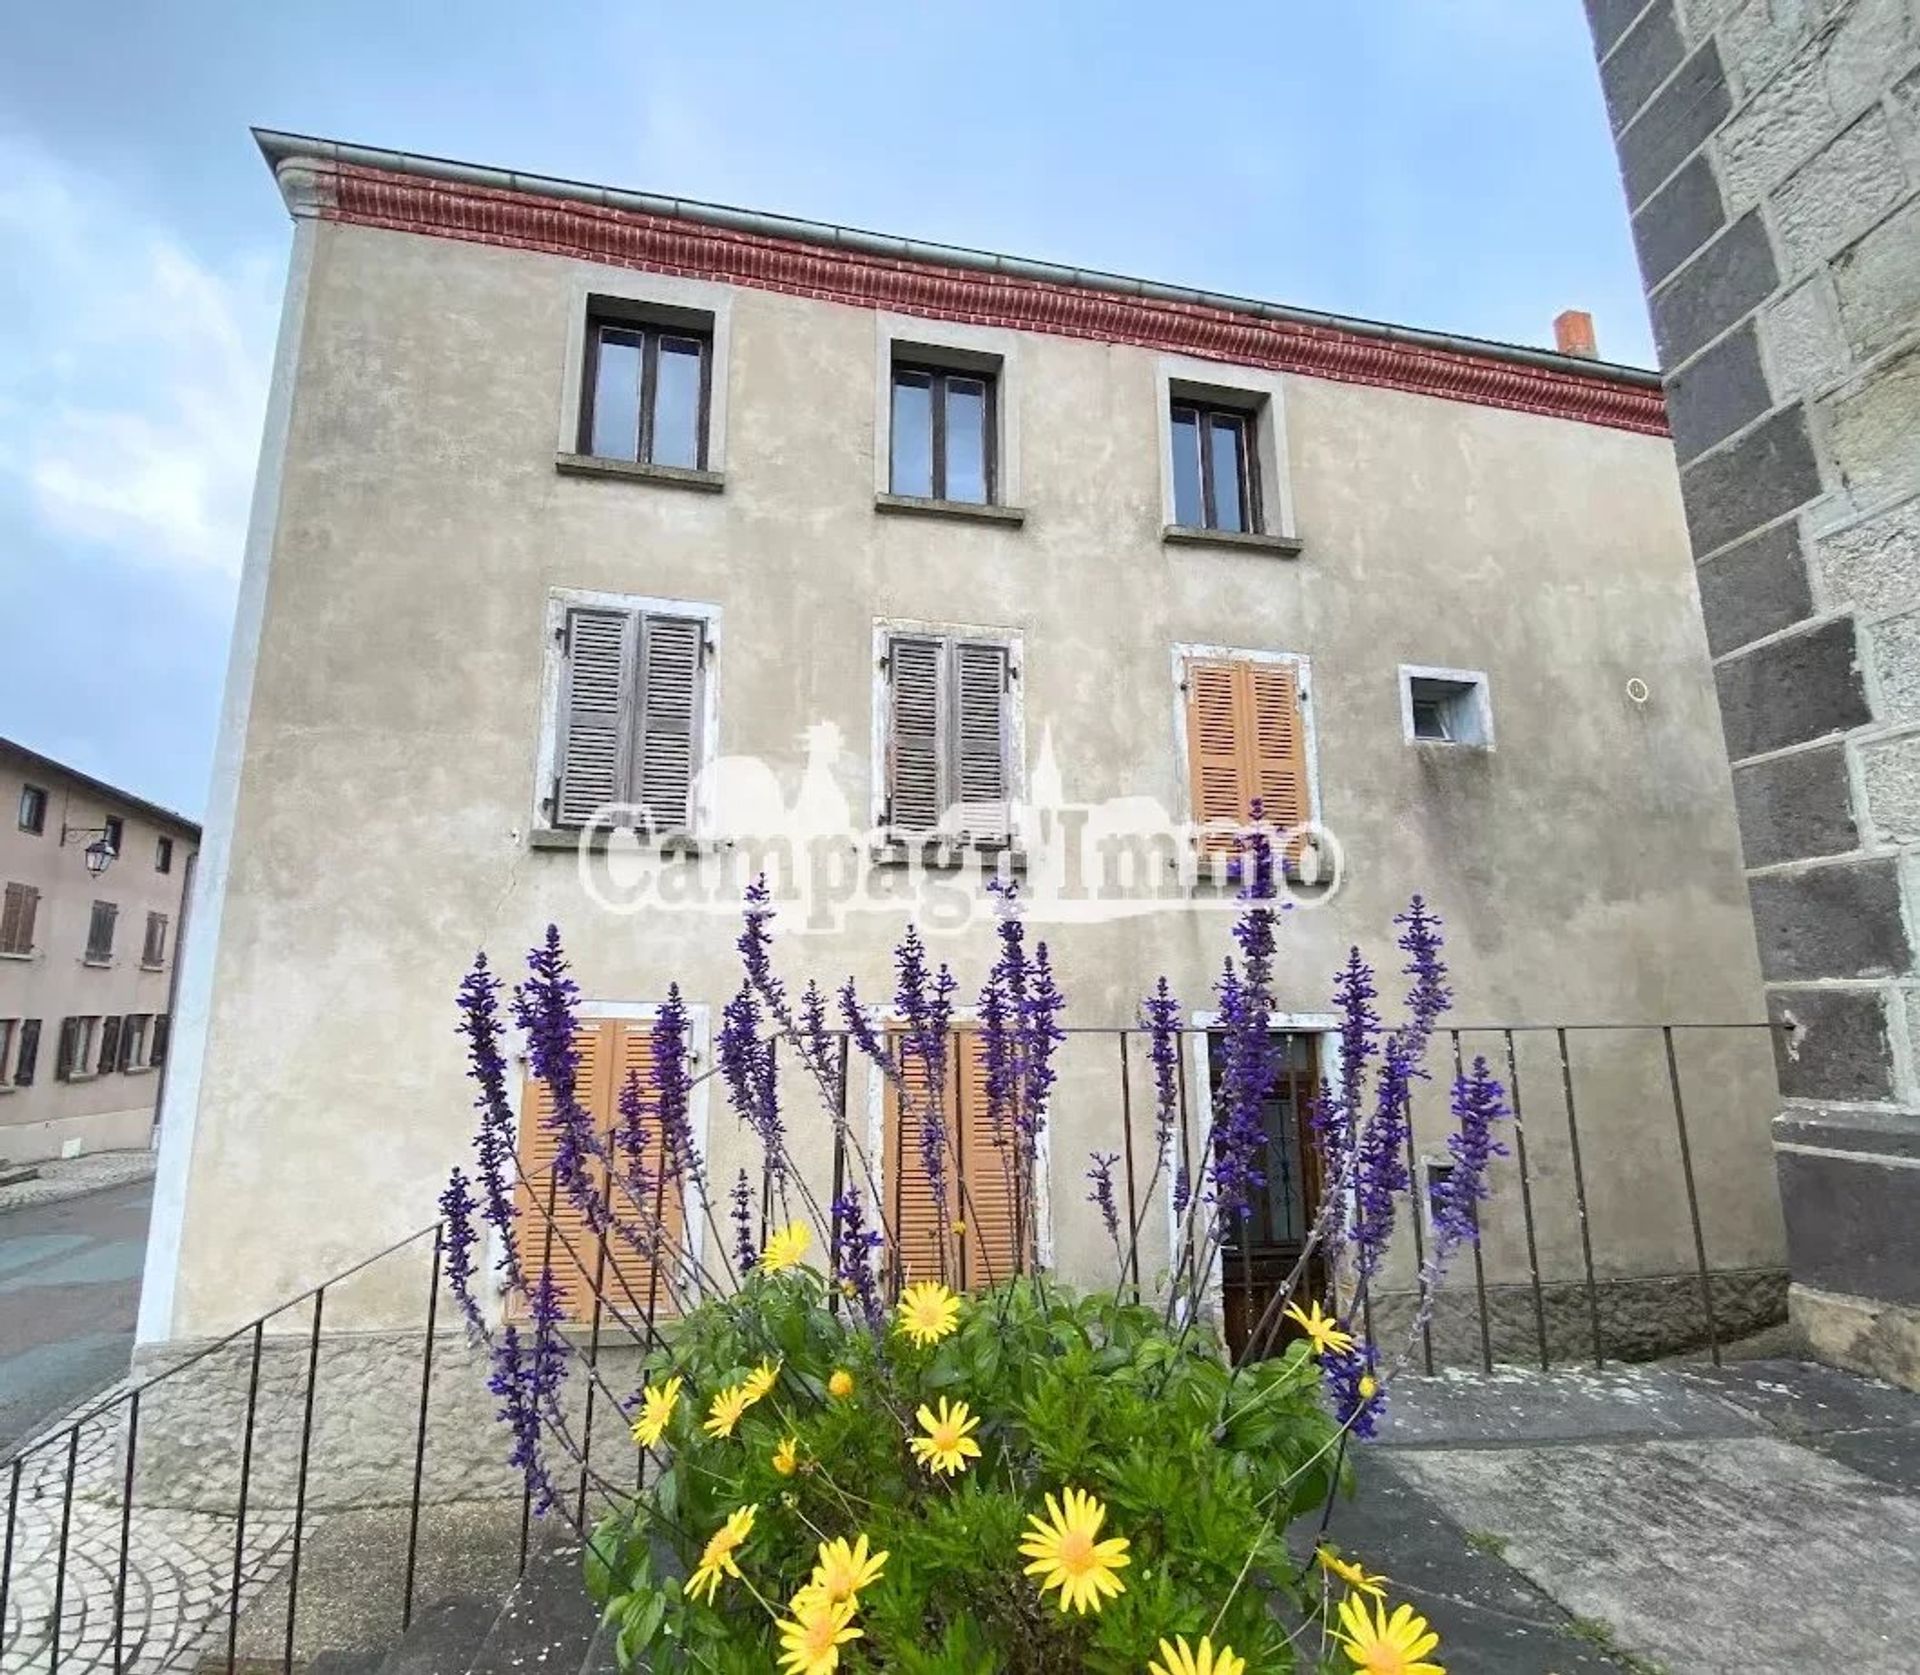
(1442, 163)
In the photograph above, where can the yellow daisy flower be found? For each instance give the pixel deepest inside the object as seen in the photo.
(843, 1571)
(840, 1386)
(1383, 1645)
(761, 1380)
(949, 1443)
(657, 1403)
(718, 1559)
(1178, 1659)
(724, 1412)
(1349, 1571)
(1066, 1554)
(928, 1312)
(786, 1249)
(810, 1640)
(1369, 1387)
(786, 1458)
(1322, 1328)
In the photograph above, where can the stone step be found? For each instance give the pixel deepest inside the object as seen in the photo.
(443, 1638)
(547, 1623)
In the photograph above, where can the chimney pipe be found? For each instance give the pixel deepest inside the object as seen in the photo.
(1573, 334)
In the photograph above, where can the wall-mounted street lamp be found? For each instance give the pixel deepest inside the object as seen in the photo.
(99, 854)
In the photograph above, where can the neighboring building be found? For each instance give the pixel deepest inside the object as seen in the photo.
(1771, 156)
(568, 493)
(95, 890)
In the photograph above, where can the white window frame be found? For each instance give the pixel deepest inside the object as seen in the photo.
(961, 347)
(1303, 682)
(885, 630)
(593, 287)
(546, 766)
(882, 1019)
(1200, 1025)
(698, 1115)
(1254, 390)
(1481, 697)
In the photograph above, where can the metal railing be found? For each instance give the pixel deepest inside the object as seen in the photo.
(251, 1449)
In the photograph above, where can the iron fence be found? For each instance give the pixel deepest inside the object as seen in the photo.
(196, 1518)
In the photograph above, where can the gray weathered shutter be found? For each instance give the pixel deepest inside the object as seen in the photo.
(980, 739)
(16, 918)
(157, 1047)
(915, 800)
(127, 1041)
(596, 713)
(672, 653)
(63, 1058)
(109, 1044)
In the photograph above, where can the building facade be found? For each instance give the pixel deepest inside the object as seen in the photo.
(1771, 158)
(574, 498)
(95, 887)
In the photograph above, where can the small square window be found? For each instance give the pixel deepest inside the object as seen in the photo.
(1438, 1172)
(1216, 474)
(33, 808)
(1445, 706)
(163, 854)
(646, 392)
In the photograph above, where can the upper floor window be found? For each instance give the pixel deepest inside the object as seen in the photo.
(153, 952)
(1246, 742)
(163, 854)
(629, 728)
(952, 766)
(19, 907)
(942, 434)
(100, 932)
(33, 808)
(74, 1059)
(1216, 474)
(116, 830)
(646, 392)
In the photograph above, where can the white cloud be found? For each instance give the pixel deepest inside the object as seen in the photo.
(133, 421)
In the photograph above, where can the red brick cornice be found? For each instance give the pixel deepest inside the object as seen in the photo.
(526, 220)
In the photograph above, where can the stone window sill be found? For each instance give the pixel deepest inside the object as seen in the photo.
(153, 965)
(19, 954)
(965, 511)
(680, 843)
(666, 476)
(138, 1070)
(1280, 546)
(106, 964)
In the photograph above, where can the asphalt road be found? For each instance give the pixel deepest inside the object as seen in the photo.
(69, 1292)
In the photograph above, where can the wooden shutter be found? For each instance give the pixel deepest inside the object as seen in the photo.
(156, 947)
(18, 910)
(157, 1048)
(914, 777)
(984, 1253)
(109, 1045)
(609, 1049)
(1246, 739)
(980, 738)
(635, 1287)
(672, 651)
(596, 713)
(63, 1057)
(100, 930)
(27, 1059)
(132, 1038)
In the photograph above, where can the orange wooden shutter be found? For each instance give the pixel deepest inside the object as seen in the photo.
(1246, 738)
(983, 1254)
(635, 1288)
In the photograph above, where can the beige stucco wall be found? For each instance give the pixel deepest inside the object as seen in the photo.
(1587, 868)
(112, 1109)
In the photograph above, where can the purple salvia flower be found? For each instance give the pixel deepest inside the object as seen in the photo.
(1421, 941)
(528, 1371)
(1478, 1103)
(545, 1006)
(745, 1251)
(925, 1003)
(1100, 1192)
(860, 1026)
(1160, 1013)
(756, 946)
(1246, 1015)
(854, 1245)
(816, 1041)
(457, 1207)
(747, 1065)
(673, 1088)
(1353, 1406)
(1040, 1036)
(1182, 1190)
(479, 1003)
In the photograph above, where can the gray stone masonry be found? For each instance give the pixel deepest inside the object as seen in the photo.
(1770, 152)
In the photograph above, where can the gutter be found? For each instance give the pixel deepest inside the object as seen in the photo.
(280, 148)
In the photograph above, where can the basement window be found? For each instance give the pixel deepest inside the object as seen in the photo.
(1445, 706)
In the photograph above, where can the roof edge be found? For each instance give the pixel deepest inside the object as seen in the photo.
(280, 148)
(156, 812)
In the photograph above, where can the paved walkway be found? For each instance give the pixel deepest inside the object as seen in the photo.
(74, 1177)
(1758, 1518)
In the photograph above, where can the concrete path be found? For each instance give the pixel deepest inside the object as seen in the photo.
(74, 1177)
(69, 1291)
(1758, 1518)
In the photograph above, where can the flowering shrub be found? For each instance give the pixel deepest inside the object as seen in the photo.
(839, 1467)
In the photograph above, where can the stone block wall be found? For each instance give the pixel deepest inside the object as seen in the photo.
(1770, 152)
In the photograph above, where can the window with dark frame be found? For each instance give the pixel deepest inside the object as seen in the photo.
(133, 1041)
(116, 830)
(163, 854)
(941, 434)
(100, 932)
(33, 808)
(646, 393)
(1216, 479)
